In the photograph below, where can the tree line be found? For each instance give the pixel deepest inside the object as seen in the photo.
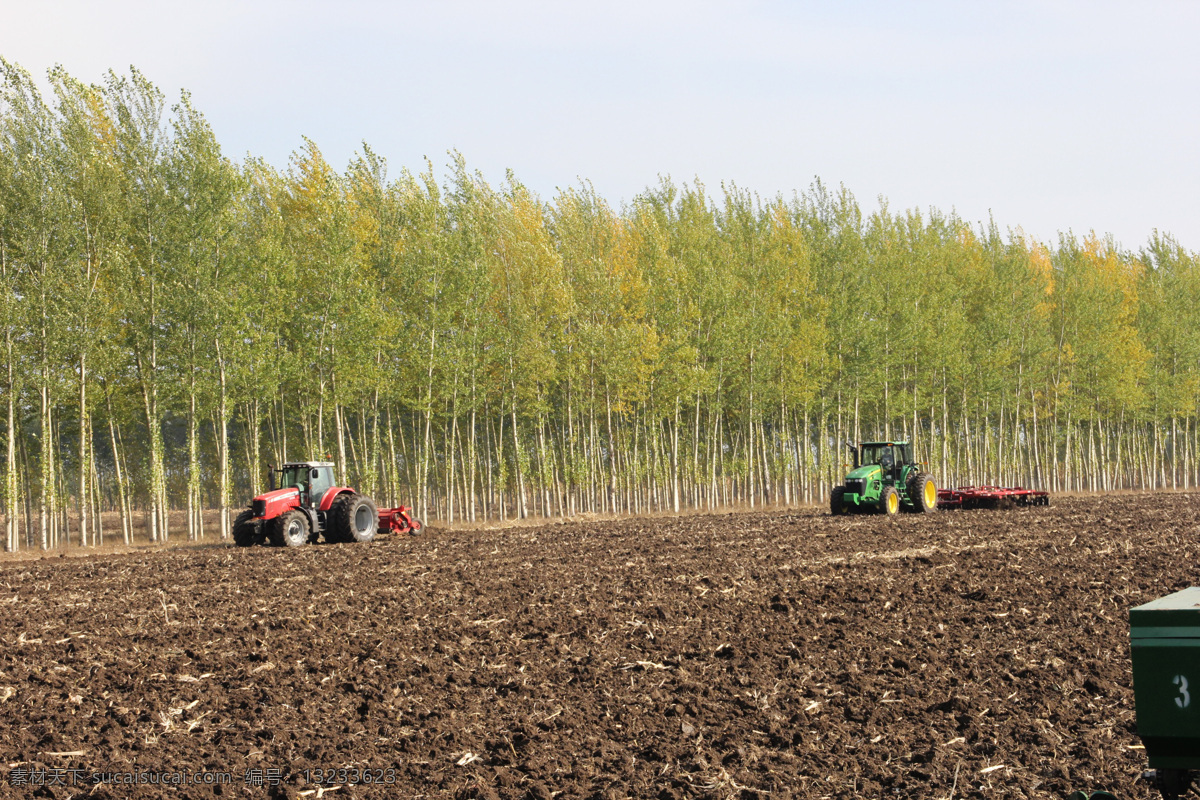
(175, 322)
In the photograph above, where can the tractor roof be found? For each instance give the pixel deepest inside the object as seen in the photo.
(307, 464)
(882, 444)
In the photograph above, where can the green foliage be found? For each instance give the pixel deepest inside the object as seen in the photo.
(480, 349)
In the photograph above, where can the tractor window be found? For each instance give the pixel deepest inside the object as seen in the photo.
(322, 483)
(293, 476)
(904, 453)
(873, 453)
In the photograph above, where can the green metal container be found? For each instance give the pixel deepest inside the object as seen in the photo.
(1165, 646)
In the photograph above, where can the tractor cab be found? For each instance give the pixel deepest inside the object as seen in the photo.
(311, 478)
(891, 457)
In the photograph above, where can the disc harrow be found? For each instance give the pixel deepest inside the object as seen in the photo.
(966, 497)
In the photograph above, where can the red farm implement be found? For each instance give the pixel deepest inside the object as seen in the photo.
(399, 520)
(991, 497)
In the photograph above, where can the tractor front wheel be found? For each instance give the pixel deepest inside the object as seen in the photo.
(245, 532)
(889, 501)
(290, 529)
(836, 505)
(923, 493)
(353, 518)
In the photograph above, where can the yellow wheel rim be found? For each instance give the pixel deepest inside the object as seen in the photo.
(930, 494)
(893, 503)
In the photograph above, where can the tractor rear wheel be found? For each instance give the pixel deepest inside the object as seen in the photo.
(836, 506)
(353, 518)
(290, 529)
(923, 493)
(245, 532)
(889, 501)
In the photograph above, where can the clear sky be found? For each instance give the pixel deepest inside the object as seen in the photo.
(1050, 116)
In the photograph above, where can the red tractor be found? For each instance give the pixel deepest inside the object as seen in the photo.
(307, 505)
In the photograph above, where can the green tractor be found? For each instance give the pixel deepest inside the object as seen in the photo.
(884, 479)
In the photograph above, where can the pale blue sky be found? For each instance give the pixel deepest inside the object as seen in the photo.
(1048, 115)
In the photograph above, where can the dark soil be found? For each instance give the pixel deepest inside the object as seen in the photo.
(963, 654)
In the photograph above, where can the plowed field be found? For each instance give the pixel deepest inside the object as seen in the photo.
(964, 654)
